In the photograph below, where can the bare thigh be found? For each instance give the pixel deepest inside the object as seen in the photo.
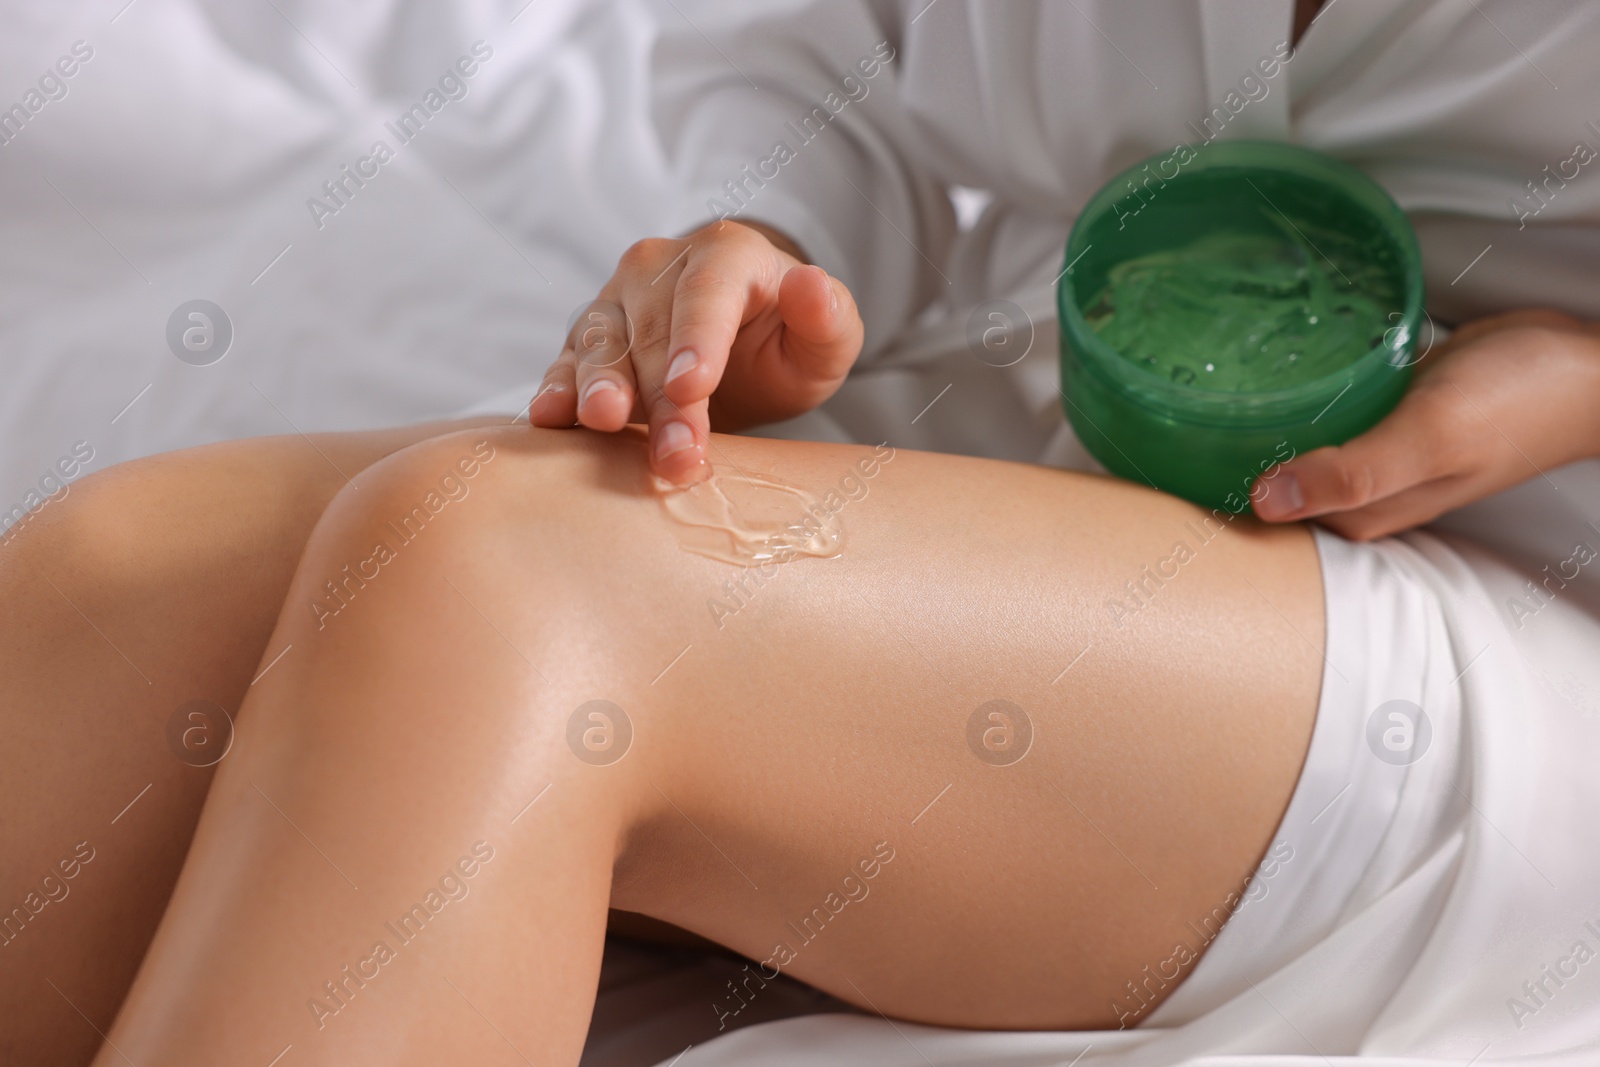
(1074, 761)
(146, 588)
(818, 776)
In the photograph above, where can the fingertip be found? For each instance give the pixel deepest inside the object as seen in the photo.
(678, 453)
(552, 407)
(604, 405)
(806, 290)
(685, 470)
(814, 276)
(1278, 498)
(815, 306)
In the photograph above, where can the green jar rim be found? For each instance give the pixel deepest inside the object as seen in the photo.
(1367, 373)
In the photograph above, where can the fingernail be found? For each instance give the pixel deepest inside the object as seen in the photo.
(673, 437)
(1292, 494)
(1282, 499)
(599, 385)
(682, 364)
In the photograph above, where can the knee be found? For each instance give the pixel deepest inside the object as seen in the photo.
(514, 517)
(81, 525)
(102, 544)
(209, 526)
(457, 580)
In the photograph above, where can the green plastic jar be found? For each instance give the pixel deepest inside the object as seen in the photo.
(1227, 307)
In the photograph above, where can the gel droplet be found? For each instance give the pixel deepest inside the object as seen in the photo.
(749, 520)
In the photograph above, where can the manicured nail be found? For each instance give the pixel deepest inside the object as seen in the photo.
(594, 388)
(672, 438)
(1282, 499)
(682, 364)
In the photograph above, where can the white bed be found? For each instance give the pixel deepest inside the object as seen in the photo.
(178, 166)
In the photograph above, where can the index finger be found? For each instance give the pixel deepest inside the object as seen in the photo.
(709, 305)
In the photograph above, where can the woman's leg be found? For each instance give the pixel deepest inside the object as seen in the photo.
(146, 587)
(408, 855)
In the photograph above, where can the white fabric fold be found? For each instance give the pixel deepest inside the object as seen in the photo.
(1420, 898)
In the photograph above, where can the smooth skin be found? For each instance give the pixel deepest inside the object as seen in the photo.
(770, 755)
(159, 582)
(145, 587)
(174, 568)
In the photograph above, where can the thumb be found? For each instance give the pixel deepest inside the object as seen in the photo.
(1404, 450)
(822, 327)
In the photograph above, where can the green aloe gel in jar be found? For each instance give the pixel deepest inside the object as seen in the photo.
(1261, 302)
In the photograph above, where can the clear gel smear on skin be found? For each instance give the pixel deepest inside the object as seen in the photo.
(748, 520)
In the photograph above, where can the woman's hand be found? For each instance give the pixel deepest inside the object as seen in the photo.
(727, 323)
(1505, 399)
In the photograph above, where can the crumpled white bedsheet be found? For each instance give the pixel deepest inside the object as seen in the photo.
(178, 166)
